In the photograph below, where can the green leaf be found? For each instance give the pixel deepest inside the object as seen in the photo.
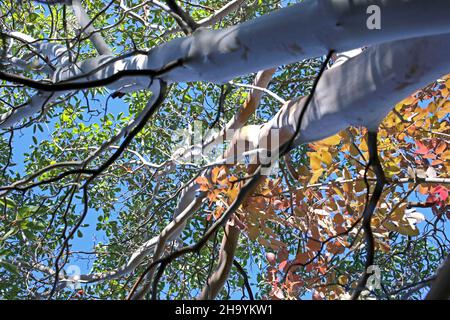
(9, 234)
(10, 267)
(10, 203)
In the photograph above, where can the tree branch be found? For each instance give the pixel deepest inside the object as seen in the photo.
(369, 209)
(246, 282)
(440, 287)
(186, 18)
(226, 256)
(88, 29)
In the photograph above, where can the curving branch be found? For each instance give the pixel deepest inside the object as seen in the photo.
(218, 278)
(189, 202)
(246, 188)
(221, 13)
(215, 17)
(88, 29)
(187, 23)
(369, 209)
(245, 276)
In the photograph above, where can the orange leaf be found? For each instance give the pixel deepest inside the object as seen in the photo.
(441, 148)
(313, 245)
(214, 174)
(282, 266)
(203, 182)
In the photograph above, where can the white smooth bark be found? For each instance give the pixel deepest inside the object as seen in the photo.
(88, 28)
(305, 30)
(363, 90)
(300, 31)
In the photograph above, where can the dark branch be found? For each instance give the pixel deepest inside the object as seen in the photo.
(66, 85)
(187, 24)
(246, 282)
(369, 209)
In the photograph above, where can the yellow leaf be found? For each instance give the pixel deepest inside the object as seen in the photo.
(432, 107)
(391, 225)
(338, 192)
(444, 110)
(408, 230)
(363, 145)
(392, 170)
(317, 174)
(342, 280)
(331, 141)
(404, 224)
(314, 161)
(410, 100)
(325, 157)
(232, 193)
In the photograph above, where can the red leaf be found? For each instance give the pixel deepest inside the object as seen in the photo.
(441, 191)
(422, 149)
(282, 266)
(432, 199)
(322, 269)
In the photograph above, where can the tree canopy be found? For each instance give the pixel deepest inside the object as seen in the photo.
(206, 149)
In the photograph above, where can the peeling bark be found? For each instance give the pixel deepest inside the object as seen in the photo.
(226, 255)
